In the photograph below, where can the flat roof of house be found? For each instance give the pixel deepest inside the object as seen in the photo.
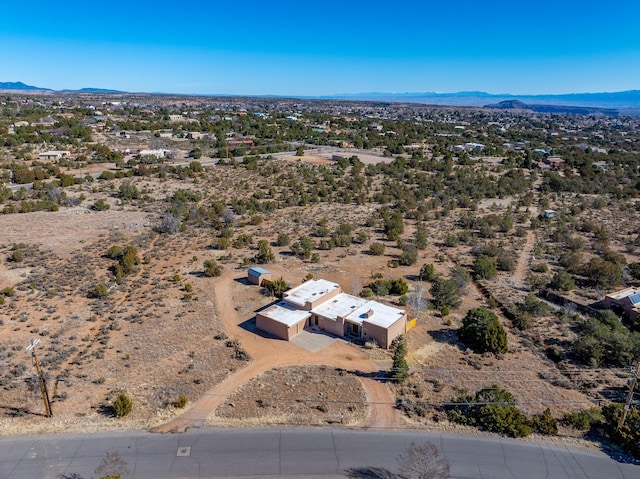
(339, 306)
(257, 270)
(285, 314)
(623, 293)
(383, 315)
(310, 291)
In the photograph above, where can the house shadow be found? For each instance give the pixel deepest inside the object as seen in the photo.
(243, 281)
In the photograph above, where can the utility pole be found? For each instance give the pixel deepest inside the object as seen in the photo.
(41, 381)
(627, 404)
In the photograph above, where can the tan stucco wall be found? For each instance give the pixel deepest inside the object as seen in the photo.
(270, 326)
(384, 336)
(333, 327)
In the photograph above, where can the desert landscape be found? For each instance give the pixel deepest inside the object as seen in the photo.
(131, 271)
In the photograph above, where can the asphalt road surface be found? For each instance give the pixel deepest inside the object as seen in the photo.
(294, 453)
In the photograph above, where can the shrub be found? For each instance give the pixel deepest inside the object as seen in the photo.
(181, 402)
(278, 287)
(377, 249)
(492, 409)
(122, 406)
(628, 436)
(8, 291)
(283, 239)
(99, 290)
(445, 293)
(584, 420)
(482, 331)
(265, 253)
(100, 205)
(604, 340)
(485, 267)
(409, 256)
(212, 268)
(505, 263)
(545, 423)
(16, 256)
(562, 281)
(427, 272)
(366, 292)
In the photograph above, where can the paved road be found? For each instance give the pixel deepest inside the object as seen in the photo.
(293, 453)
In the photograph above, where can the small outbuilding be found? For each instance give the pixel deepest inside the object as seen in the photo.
(257, 276)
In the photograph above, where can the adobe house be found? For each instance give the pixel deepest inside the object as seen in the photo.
(257, 276)
(625, 302)
(321, 304)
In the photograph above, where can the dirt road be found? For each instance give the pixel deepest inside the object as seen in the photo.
(271, 353)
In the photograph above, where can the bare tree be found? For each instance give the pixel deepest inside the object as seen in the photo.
(229, 217)
(417, 300)
(423, 462)
(169, 224)
(355, 286)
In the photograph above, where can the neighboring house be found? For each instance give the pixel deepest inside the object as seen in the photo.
(625, 302)
(548, 214)
(258, 276)
(53, 155)
(160, 153)
(321, 304)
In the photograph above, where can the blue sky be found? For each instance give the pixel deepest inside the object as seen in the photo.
(323, 47)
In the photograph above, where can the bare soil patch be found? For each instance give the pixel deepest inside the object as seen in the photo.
(298, 395)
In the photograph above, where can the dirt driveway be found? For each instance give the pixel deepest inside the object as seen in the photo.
(272, 353)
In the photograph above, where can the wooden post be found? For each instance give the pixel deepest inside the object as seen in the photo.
(629, 400)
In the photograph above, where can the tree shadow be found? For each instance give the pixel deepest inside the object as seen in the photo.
(370, 473)
(612, 450)
(12, 411)
(448, 336)
(106, 410)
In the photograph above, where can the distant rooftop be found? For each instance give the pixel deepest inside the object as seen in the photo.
(627, 292)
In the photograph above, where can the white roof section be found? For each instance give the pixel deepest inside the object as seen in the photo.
(285, 314)
(339, 306)
(623, 293)
(383, 315)
(310, 291)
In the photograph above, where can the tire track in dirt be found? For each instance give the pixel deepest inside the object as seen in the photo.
(270, 354)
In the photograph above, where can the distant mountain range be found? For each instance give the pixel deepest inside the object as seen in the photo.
(622, 99)
(607, 103)
(24, 87)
